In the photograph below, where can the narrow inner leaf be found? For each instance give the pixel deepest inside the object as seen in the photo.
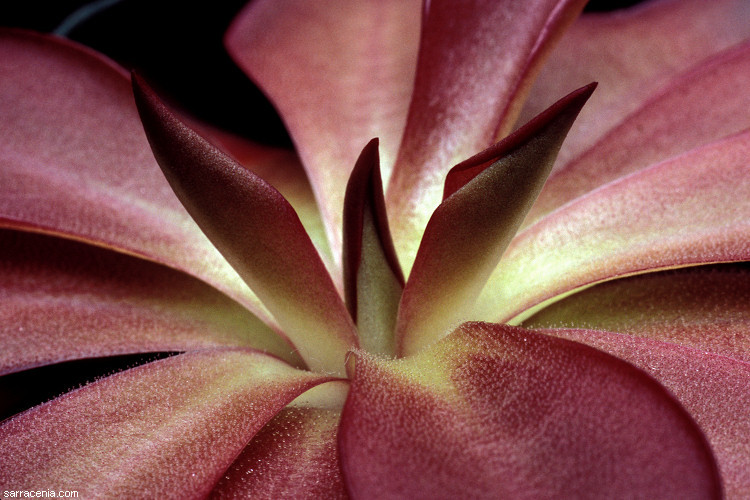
(373, 280)
(378, 294)
(257, 231)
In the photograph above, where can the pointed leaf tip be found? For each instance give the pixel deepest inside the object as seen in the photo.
(487, 198)
(357, 191)
(76, 163)
(373, 279)
(256, 230)
(353, 59)
(690, 210)
(476, 63)
(465, 171)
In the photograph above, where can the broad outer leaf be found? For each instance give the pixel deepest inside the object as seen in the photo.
(487, 198)
(340, 72)
(476, 60)
(373, 280)
(295, 455)
(631, 54)
(257, 231)
(715, 390)
(74, 162)
(705, 307)
(168, 429)
(63, 300)
(697, 107)
(494, 411)
(693, 209)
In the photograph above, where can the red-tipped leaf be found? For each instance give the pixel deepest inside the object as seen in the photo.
(64, 300)
(475, 63)
(700, 106)
(74, 162)
(257, 231)
(373, 280)
(487, 198)
(632, 53)
(282, 169)
(691, 210)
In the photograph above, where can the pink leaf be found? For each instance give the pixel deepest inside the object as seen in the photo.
(698, 107)
(353, 59)
(713, 389)
(295, 456)
(502, 412)
(256, 230)
(487, 197)
(705, 307)
(282, 169)
(167, 429)
(632, 54)
(693, 209)
(476, 61)
(74, 162)
(62, 300)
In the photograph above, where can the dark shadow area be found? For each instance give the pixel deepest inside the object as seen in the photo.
(609, 5)
(23, 390)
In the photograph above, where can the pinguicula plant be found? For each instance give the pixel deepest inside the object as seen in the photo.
(483, 276)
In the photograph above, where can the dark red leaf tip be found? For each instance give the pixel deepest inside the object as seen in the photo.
(465, 171)
(364, 192)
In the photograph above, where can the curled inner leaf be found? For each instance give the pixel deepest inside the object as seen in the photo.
(373, 280)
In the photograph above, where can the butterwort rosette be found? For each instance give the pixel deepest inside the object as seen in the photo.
(480, 275)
